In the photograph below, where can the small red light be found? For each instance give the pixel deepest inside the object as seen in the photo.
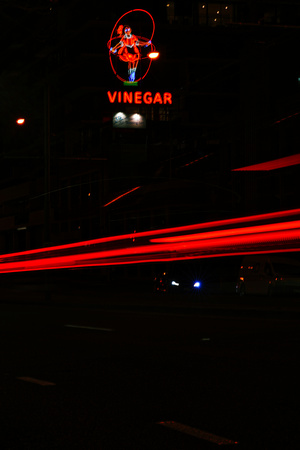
(20, 121)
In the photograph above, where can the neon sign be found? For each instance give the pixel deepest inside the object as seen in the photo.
(125, 46)
(139, 97)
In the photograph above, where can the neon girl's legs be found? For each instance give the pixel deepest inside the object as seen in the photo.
(132, 74)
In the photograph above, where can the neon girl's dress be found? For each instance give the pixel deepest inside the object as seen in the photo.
(127, 49)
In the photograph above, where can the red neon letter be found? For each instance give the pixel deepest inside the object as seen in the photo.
(157, 98)
(127, 97)
(138, 97)
(119, 97)
(147, 98)
(167, 98)
(112, 97)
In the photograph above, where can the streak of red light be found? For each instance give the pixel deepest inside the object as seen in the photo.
(122, 195)
(142, 234)
(237, 241)
(231, 232)
(285, 118)
(272, 165)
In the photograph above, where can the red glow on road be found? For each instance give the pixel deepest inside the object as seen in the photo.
(216, 239)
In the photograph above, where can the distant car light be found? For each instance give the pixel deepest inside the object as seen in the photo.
(197, 284)
(174, 283)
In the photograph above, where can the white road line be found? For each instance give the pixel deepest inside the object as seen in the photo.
(36, 381)
(89, 328)
(197, 433)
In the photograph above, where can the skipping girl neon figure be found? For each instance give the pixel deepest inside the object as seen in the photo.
(127, 49)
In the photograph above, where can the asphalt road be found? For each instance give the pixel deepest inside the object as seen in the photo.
(94, 377)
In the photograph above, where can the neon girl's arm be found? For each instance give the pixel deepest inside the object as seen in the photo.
(115, 48)
(143, 43)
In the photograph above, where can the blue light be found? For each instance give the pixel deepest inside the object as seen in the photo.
(197, 284)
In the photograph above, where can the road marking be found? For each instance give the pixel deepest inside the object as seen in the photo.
(89, 328)
(197, 433)
(36, 381)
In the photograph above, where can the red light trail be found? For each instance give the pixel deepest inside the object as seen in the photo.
(237, 236)
(120, 196)
(280, 163)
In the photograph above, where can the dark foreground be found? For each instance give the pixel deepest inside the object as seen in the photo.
(127, 375)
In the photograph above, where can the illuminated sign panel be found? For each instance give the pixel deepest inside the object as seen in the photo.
(127, 47)
(122, 120)
(138, 97)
